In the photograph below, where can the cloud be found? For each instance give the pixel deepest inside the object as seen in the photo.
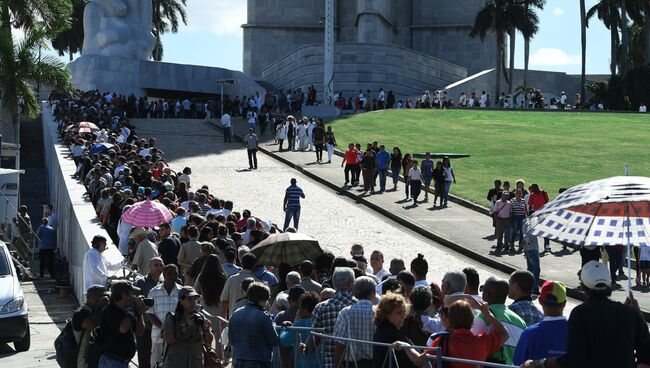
(558, 11)
(218, 17)
(553, 56)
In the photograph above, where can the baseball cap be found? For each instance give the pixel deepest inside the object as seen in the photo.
(187, 292)
(553, 292)
(595, 276)
(97, 291)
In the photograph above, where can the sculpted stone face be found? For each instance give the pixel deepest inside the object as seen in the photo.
(118, 28)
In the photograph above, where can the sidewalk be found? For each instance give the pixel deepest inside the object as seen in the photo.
(461, 229)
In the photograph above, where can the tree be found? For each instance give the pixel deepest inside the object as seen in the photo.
(530, 29)
(608, 12)
(166, 16)
(71, 39)
(20, 63)
(38, 19)
(499, 17)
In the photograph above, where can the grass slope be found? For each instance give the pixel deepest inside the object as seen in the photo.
(553, 149)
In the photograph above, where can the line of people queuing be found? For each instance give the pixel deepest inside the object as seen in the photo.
(376, 162)
(201, 262)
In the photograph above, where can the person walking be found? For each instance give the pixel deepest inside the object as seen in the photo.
(427, 174)
(330, 141)
(383, 161)
(406, 166)
(292, 204)
(395, 166)
(438, 182)
(502, 212)
(227, 127)
(291, 133)
(368, 167)
(281, 134)
(450, 177)
(252, 119)
(415, 181)
(46, 248)
(251, 146)
(317, 138)
(350, 159)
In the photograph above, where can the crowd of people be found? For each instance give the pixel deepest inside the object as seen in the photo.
(196, 278)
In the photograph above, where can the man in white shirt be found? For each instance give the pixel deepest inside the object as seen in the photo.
(96, 267)
(377, 264)
(310, 129)
(483, 100)
(187, 105)
(120, 166)
(165, 296)
(462, 100)
(642, 108)
(563, 100)
(227, 127)
(381, 99)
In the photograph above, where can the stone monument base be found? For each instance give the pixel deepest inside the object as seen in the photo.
(125, 76)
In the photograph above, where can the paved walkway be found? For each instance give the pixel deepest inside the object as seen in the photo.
(457, 227)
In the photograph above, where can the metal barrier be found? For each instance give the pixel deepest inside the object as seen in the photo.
(438, 358)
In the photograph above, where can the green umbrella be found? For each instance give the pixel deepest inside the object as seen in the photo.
(291, 248)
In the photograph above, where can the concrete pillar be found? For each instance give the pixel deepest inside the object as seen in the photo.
(328, 55)
(375, 21)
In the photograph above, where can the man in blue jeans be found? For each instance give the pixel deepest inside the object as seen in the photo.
(531, 252)
(292, 204)
(383, 160)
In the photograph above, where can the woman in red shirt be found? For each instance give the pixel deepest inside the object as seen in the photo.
(536, 200)
(460, 342)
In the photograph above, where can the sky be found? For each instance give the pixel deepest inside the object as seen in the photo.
(214, 37)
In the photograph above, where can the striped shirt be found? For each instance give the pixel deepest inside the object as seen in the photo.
(518, 207)
(293, 195)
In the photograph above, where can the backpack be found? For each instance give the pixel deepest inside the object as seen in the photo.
(94, 349)
(66, 346)
(443, 344)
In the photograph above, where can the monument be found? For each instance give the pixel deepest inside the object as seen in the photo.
(116, 57)
(402, 45)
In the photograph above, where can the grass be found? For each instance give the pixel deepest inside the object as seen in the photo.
(553, 149)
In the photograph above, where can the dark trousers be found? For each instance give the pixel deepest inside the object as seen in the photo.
(503, 231)
(292, 142)
(357, 172)
(319, 152)
(615, 260)
(368, 180)
(280, 142)
(350, 169)
(144, 349)
(227, 134)
(47, 261)
(252, 158)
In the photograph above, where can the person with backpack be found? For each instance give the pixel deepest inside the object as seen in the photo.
(72, 342)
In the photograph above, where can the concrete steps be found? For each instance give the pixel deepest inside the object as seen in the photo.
(33, 183)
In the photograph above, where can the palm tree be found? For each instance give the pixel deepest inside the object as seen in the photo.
(530, 29)
(499, 17)
(18, 63)
(21, 63)
(166, 16)
(608, 12)
(71, 40)
(583, 48)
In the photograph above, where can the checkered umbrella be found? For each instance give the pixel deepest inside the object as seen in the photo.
(291, 248)
(607, 212)
(147, 214)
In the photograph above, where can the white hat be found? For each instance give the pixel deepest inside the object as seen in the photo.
(595, 276)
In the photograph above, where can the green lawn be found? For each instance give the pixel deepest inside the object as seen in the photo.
(553, 149)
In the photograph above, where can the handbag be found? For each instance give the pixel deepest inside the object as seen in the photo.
(210, 359)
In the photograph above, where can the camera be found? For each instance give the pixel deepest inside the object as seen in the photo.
(197, 318)
(148, 302)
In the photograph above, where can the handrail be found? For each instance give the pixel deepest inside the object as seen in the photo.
(429, 357)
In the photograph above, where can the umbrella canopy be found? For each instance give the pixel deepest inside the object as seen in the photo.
(597, 213)
(100, 147)
(89, 125)
(291, 248)
(147, 214)
(607, 212)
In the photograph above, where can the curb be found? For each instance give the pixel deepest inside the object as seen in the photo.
(572, 291)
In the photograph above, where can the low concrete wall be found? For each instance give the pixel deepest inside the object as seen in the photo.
(78, 223)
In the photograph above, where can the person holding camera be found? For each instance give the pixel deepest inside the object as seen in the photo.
(120, 323)
(185, 332)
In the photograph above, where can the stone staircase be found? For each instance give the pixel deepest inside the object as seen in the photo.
(33, 183)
